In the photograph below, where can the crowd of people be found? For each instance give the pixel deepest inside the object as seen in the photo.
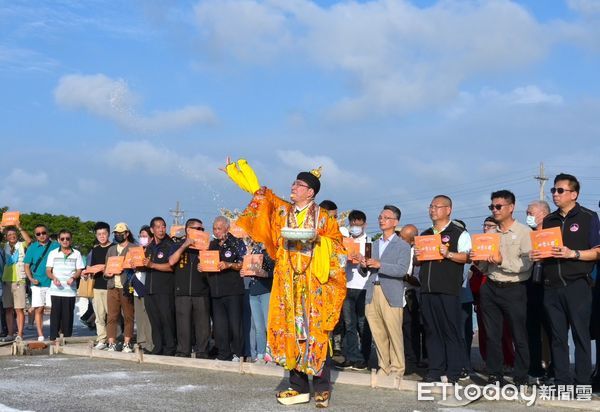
(396, 312)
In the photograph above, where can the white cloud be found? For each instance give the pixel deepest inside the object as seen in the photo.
(396, 56)
(152, 159)
(21, 59)
(112, 99)
(332, 174)
(523, 95)
(19, 178)
(585, 7)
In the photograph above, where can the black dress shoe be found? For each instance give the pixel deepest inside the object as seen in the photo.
(343, 365)
(359, 366)
(430, 379)
(182, 355)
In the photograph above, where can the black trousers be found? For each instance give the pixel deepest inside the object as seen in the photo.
(192, 314)
(467, 322)
(536, 320)
(411, 330)
(227, 326)
(570, 306)
(510, 303)
(442, 320)
(61, 316)
(161, 313)
(299, 380)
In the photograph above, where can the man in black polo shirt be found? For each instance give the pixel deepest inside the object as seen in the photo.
(567, 294)
(192, 297)
(227, 292)
(441, 281)
(159, 300)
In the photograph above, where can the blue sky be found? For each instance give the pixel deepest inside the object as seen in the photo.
(114, 110)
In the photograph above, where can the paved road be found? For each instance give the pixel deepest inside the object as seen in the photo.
(64, 383)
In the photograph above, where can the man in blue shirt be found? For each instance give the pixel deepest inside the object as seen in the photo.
(35, 269)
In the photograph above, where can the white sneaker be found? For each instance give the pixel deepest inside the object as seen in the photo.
(40, 339)
(100, 346)
(112, 347)
(235, 358)
(127, 348)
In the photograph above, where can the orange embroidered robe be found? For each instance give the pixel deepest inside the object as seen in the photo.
(302, 310)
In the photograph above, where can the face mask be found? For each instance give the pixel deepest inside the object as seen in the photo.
(144, 241)
(119, 238)
(356, 231)
(531, 221)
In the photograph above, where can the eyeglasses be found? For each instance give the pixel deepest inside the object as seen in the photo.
(497, 206)
(437, 206)
(41, 233)
(386, 218)
(297, 183)
(489, 226)
(63, 239)
(197, 228)
(559, 190)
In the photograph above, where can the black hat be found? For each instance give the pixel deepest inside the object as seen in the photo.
(311, 179)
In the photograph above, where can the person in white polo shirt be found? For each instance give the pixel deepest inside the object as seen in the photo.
(64, 267)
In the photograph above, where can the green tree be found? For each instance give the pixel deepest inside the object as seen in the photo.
(83, 231)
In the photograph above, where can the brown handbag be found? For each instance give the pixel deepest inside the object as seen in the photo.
(86, 287)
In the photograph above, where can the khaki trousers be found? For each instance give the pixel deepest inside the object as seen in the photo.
(385, 323)
(100, 304)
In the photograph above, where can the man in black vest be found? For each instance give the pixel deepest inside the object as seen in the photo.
(192, 296)
(440, 288)
(159, 299)
(567, 294)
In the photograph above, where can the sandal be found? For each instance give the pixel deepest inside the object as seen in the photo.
(322, 399)
(292, 397)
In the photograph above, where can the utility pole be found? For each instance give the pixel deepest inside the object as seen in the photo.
(541, 178)
(177, 214)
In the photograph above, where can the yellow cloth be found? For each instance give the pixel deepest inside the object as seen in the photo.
(309, 281)
(243, 175)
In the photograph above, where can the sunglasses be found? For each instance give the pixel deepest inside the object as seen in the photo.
(197, 228)
(496, 206)
(62, 239)
(559, 190)
(41, 233)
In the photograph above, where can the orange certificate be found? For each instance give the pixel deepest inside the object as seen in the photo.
(352, 247)
(251, 264)
(201, 239)
(209, 261)
(114, 265)
(236, 230)
(10, 218)
(485, 245)
(429, 247)
(544, 240)
(135, 257)
(176, 228)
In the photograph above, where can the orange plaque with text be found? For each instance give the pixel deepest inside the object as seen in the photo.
(429, 247)
(252, 263)
(135, 257)
(11, 218)
(114, 265)
(544, 240)
(209, 260)
(485, 245)
(201, 239)
(352, 247)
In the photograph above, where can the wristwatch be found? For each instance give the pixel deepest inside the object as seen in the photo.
(577, 255)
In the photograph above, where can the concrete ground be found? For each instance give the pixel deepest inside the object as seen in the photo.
(67, 383)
